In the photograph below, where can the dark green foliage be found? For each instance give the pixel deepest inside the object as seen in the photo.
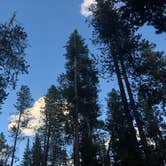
(120, 146)
(24, 101)
(149, 83)
(37, 152)
(102, 151)
(127, 56)
(52, 132)
(139, 12)
(13, 41)
(88, 109)
(27, 156)
(136, 13)
(118, 38)
(5, 151)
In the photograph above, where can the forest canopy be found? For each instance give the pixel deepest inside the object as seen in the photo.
(70, 124)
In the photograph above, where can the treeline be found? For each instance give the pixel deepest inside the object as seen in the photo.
(72, 131)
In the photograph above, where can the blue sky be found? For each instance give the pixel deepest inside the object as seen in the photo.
(48, 25)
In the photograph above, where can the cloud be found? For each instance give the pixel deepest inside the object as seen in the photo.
(35, 115)
(85, 7)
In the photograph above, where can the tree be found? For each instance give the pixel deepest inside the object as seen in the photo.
(37, 152)
(5, 151)
(150, 66)
(27, 156)
(52, 132)
(13, 42)
(116, 125)
(118, 35)
(145, 11)
(141, 12)
(24, 101)
(79, 88)
(112, 31)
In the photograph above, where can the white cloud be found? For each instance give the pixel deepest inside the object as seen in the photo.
(85, 7)
(35, 115)
(36, 119)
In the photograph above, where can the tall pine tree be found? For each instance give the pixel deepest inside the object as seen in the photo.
(123, 46)
(13, 42)
(81, 74)
(116, 125)
(27, 156)
(52, 131)
(5, 151)
(24, 101)
(37, 154)
(112, 31)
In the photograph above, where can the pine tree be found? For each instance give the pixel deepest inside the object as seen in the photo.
(5, 150)
(140, 12)
(119, 145)
(118, 37)
(123, 47)
(13, 42)
(81, 74)
(24, 101)
(37, 152)
(150, 87)
(27, 156)
(52, 132)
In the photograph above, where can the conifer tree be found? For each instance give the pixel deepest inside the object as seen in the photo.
(86, 103)
(52, 132)
(13, 42)
(150, 66)
(118, 37)
(37, 152)
(140, 12)
(24, 101)
(119, 145)
(27, 156)
(122, 46)
(5, 151)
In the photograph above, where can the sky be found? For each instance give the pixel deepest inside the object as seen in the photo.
(48, 25)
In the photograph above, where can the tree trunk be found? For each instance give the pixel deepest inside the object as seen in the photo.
(108, 153)
(135, 112)
(76, 124)
(131, 129)
(15, 140)
(124, 99)
(46, 148)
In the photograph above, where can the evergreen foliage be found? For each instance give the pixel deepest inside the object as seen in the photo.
(52, 132)
(13, 42)
(24, 101)
(27, 156)
(87, 80)
(37, 153)
(5, 150)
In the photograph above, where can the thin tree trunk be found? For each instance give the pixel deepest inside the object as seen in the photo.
(15, 140)
(76, 124)
(136, 113)
(125, 103)
(47, 144)
(108, 153)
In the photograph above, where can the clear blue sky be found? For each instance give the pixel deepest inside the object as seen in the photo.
(49, 24)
